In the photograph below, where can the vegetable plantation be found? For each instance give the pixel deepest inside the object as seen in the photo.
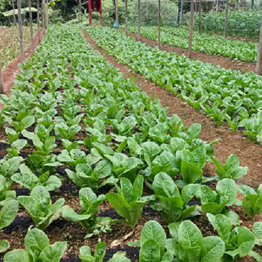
(94, 167)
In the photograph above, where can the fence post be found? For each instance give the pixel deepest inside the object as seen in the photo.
(181, 12)
(43, 14)
(199, 21)
(225, 32)
(117, 22)
(159, 21)
(38, 23)
(126, 16)
(259, 52)
(31, 25)
(191, 29)
(139, 22)
(1, 79)
(80, 11)
(20, 31)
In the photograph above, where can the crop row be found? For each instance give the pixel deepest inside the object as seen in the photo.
(10, 45)
(68, 91)
(240, 23)
(222, 94)
(205, 43)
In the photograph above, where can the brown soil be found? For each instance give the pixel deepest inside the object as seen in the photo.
(12, 69)
(7, 42)
(231, 143)
(3, 30)
(238, 38)
(222, 61)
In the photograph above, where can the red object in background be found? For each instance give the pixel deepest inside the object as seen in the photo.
(94, 6)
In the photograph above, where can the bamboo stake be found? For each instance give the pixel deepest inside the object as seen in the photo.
(117, 22)
(1, 79)
(80, 11)
(20, 30)
(38, 22)
(43, 14)
(259, 52)
(199, 19)
(47, 15)
(139, 25)
(159, 21)
(217, 7)
(181, 12)
(191, 29)
(13, 2)
(225, 32)
(31, 25)
(126, 16)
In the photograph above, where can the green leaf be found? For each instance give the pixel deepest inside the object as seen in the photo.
(8, 213)
(150, 251)
(4, 245)
(54, 252)
(227, 191)
(17, 255)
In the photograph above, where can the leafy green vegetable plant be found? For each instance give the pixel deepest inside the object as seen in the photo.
(37, 248)
(39, 206)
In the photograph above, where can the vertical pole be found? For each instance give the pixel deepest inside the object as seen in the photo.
(13, 2)
(147, 12)
(199, 18)
(191, 29)
(117, 22)
(138, 8)
(47, 16)
(43, 14)
(20, 30)
(159, 21)
(31, 25)
(225, 32)
(80, 11)
(101, 13)
(126, 16)
(259, 53)
(90, 13)
(38, 23)
(1, 79)
(181, 12)
(217, 7)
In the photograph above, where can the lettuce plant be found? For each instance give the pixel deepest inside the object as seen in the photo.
(29, 180)
(231, 169)
(252, 202)
(37, 248)
(215, 202)
(128, 202)
(9, 166)
(86, 254)
(238, 241)
(16, 147)
(39, 206)
(62, 130)
(173, 205)
(87, 217)
(72, 158)
(5, 186)
(188, 244)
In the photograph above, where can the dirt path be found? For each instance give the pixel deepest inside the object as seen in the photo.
(222, 61)
(3, 30)
(231, 143)
(12, 69)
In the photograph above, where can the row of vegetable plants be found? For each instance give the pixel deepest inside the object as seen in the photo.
(240, 23)
(67, 91)
(9, 44)
(205, 43)
(224, 95)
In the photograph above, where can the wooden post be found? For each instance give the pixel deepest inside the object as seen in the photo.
(38, 22)
(139, 25)
(43, 14)
(217, 7)
(181, 12)
(80, 11)
(20, 31)
(47, 16)
(117, 22)
(191, 29)
(199, 18)
(259, 52)
(1, 79)
(31, 25)
(159, 21)
(225, 32)
(126, 16)
(147, 12)
(13, 2)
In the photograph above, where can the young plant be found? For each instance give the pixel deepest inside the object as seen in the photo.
(173, 205)
(215, 202)
(9, 166)
(86, 254)
(128, 202)
(16, 147)
(29, 180)
(37, 248)
(39, 206)
(231, 169)
(239, 242)
(87, 217)
(188, 244)
(72, 157)
(63, 131)
(252, 203)
(5, 192)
